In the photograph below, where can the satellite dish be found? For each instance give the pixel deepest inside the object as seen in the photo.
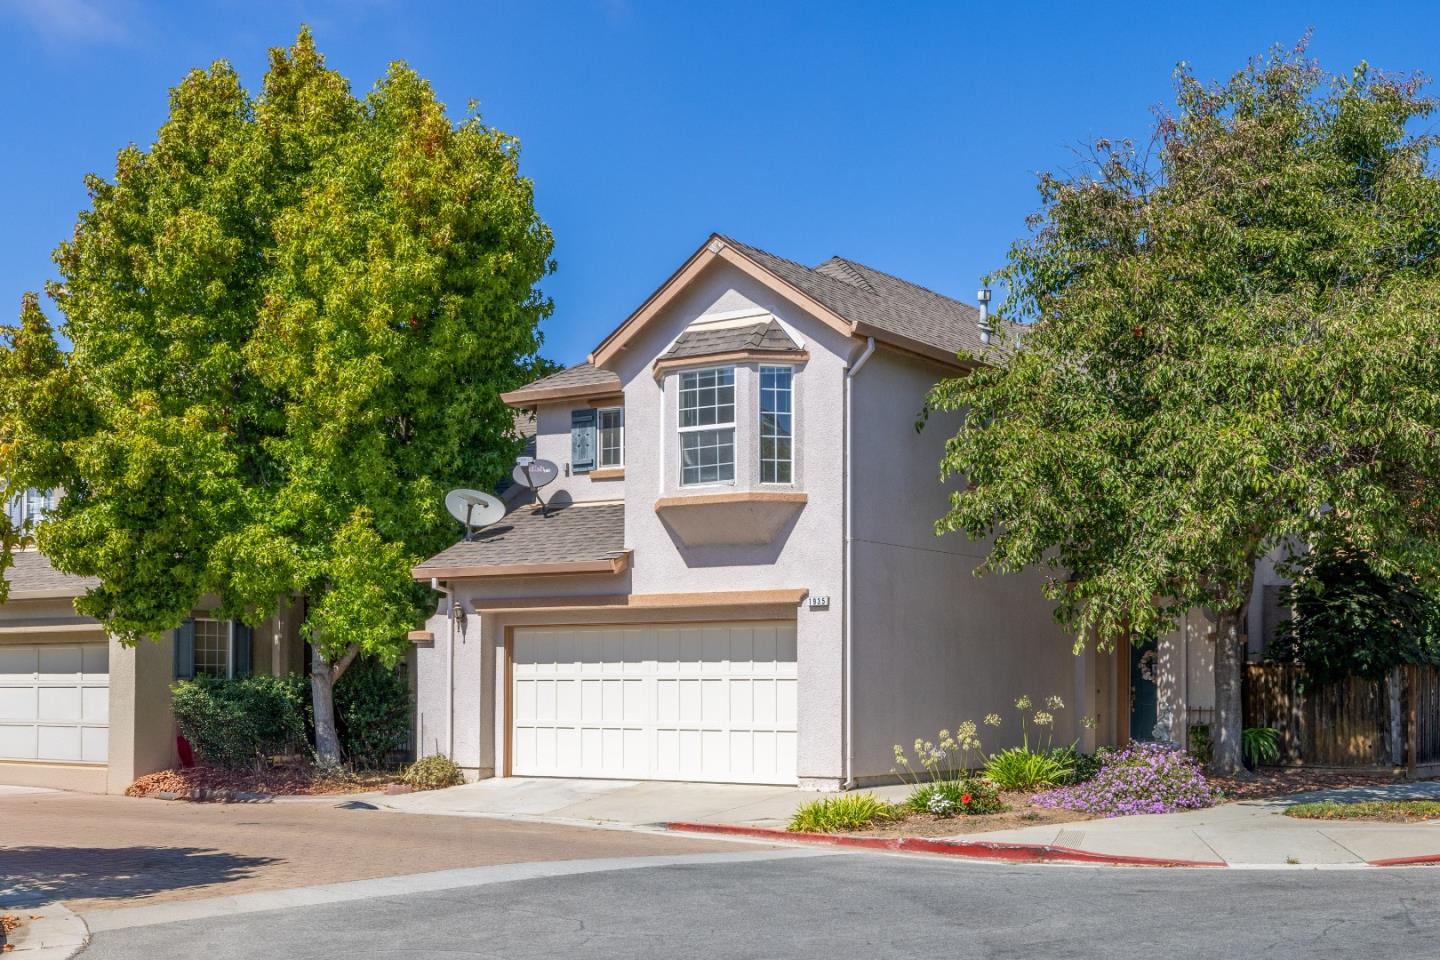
(474, 509)
(534, 474)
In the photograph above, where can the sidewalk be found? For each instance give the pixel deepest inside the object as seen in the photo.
(1250, 833)
(618, 802)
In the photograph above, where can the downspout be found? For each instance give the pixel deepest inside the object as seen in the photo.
(849, 622)
(449, 665)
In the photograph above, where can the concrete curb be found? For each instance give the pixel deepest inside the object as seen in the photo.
(58, 935)
(1008, 852)
(1427, 859)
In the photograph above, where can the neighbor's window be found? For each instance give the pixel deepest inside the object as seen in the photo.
(212, 648)
(612, 437)
(707, 426)
(28, 507)
(776, 426)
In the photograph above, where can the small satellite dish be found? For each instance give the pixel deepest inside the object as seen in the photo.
(474, 509)
(534, 474)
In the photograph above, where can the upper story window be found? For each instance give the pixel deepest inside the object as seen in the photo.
(776, 425)
(707, 426)
(612, 437)
(27, 508)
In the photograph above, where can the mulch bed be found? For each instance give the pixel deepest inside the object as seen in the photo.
(280, 780)
(1272, 782)
(1020, 814)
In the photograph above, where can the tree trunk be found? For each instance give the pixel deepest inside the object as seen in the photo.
(1228, 759)
(323, 675)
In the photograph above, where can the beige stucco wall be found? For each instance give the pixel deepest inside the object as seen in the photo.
(935, 645)
(552, 442)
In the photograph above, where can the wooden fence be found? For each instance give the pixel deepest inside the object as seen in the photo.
(1345, 724)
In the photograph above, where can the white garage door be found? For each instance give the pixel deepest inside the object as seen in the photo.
(55, 702)
(713, 702)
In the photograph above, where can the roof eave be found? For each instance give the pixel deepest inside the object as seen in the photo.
(526, 397)
(917, 347)
(730, 356)
(609, 565)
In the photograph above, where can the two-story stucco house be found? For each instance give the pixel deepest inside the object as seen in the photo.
(737, 577)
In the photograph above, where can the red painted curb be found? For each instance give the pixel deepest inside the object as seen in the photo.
(1424, 858)
(1009, 852)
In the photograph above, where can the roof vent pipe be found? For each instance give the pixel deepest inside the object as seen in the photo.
(986, 331)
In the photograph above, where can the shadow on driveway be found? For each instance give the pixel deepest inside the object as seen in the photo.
(30, 876)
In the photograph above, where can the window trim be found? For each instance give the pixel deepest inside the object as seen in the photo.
(760, 424)
(600, 462)
(733, 425)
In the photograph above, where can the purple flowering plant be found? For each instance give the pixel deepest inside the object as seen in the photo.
(1140, 778)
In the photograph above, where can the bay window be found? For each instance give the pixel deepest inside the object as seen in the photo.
(707, 426)
(776, 425)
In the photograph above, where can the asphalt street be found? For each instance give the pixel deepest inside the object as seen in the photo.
(790, 904)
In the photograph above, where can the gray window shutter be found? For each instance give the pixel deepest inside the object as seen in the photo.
(185, 651)
(582, 441)
(240, 635)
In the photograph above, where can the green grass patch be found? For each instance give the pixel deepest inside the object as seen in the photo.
(1393, 811)
(843, 813)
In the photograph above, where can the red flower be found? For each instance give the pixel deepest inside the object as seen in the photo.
(965, 798)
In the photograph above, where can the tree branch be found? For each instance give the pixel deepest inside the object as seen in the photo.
(343, 664)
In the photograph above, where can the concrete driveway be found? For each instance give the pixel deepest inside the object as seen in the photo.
(618, 802)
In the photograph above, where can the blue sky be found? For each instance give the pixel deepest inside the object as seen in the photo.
(903, 135)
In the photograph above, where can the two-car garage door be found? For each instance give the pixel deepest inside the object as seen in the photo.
(54, 702)
(711, 702)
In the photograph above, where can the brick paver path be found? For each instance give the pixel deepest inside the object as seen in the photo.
(92, 851)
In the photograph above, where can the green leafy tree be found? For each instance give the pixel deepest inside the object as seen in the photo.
(1351, 620)
(291, 319)
(1228, 345)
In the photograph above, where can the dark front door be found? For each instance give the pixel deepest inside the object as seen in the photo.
(1143, 696)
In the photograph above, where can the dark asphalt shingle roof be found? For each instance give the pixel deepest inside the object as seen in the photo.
(575, 532)
(32, 574)
(863, 294)
(697, 342)
(581, 375)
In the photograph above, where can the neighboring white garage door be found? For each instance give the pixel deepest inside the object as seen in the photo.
(713, 702)
(55, 702)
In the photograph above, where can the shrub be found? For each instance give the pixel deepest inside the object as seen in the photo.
(846, 811)
(948, 798)
(1082, 766)
(237, 723)
(433, 773)
(372, 712)
(1199, 742)
(1021, 769)
(1141, 778)
(1260, 745)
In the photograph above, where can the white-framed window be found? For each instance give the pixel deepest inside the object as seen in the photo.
(707, 426)
(612, 437)
(212, 648)
(777, 425)
(29, 506)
